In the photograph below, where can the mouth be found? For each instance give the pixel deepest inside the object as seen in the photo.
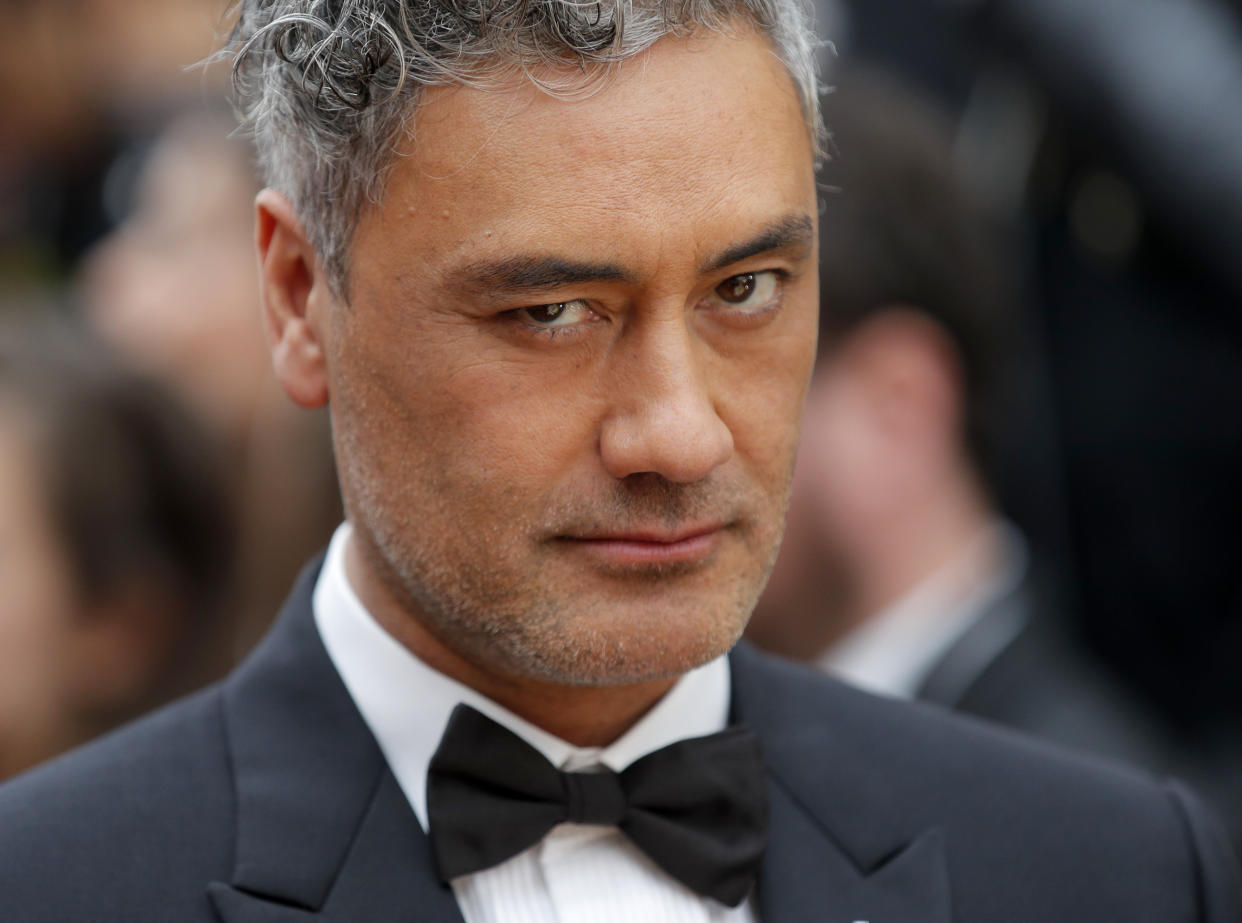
(645, 547)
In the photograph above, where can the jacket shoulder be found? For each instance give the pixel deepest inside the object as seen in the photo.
(1020, 817)
(913, 741)
(68, 829)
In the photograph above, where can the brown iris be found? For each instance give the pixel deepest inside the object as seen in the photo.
(737, 289)
(546, 313)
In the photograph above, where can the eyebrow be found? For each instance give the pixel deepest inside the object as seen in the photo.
(793, 232)
(535, 273)
(532, 273)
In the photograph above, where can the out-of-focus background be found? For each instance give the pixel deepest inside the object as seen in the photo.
(1018, 492)
(158, 493)
(1020, 488)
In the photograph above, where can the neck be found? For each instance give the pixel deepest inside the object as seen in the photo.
(926, 537)
(585, 716)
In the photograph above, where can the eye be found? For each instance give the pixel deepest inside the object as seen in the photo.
(748, 292)
(556, 316)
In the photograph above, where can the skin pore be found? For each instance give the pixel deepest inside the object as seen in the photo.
(566, 388)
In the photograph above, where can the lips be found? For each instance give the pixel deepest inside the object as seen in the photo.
(686, 545)
(653, 536)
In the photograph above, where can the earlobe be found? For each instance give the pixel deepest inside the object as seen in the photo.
(295, 298)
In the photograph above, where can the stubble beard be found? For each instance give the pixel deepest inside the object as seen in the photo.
(492, 607)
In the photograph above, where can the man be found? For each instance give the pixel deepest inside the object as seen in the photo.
(898, 572)
(565, 343)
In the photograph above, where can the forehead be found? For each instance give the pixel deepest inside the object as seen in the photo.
(681, 145)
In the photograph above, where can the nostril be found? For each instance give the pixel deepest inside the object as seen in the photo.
(678, 448)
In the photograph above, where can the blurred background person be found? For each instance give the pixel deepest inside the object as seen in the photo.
(174, 289)
(126, 209)
(1110, 134)
(115, 544)
(78, 80)
(174, 286)
(899, 570)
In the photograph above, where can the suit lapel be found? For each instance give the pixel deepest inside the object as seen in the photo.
(1004, 623)
(837, 851)
(323, 830)
(806, 876)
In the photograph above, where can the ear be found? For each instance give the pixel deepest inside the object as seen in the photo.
(912, 373)
(296, 300)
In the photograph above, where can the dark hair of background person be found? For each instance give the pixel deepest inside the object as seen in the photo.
(898, 229)
(130, 482)
(1111, 131)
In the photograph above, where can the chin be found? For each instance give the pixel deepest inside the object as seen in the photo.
(656, 643)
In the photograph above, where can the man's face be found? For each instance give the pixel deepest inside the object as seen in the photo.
(567, 386)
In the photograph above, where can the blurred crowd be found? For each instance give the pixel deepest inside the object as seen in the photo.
(1017, 493)
(159, 492)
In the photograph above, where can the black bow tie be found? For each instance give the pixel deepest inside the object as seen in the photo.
(697, 807)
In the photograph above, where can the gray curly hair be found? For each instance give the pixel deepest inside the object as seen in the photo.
(327, 87)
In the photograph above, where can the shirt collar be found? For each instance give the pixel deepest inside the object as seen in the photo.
(407, 704)
(892, 652)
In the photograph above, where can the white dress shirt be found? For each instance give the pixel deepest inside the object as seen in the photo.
(894, 651)
(578, 873)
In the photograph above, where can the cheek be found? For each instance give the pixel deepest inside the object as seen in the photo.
(523, 415)
(483, 430)
(764, 404)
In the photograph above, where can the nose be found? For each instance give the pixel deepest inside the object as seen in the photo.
(663, 417)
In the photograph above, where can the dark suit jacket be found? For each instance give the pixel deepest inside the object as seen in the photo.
(1018, 665)
(266, 800)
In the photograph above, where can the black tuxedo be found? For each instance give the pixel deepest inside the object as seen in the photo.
(266, 800)
(1018, 665)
